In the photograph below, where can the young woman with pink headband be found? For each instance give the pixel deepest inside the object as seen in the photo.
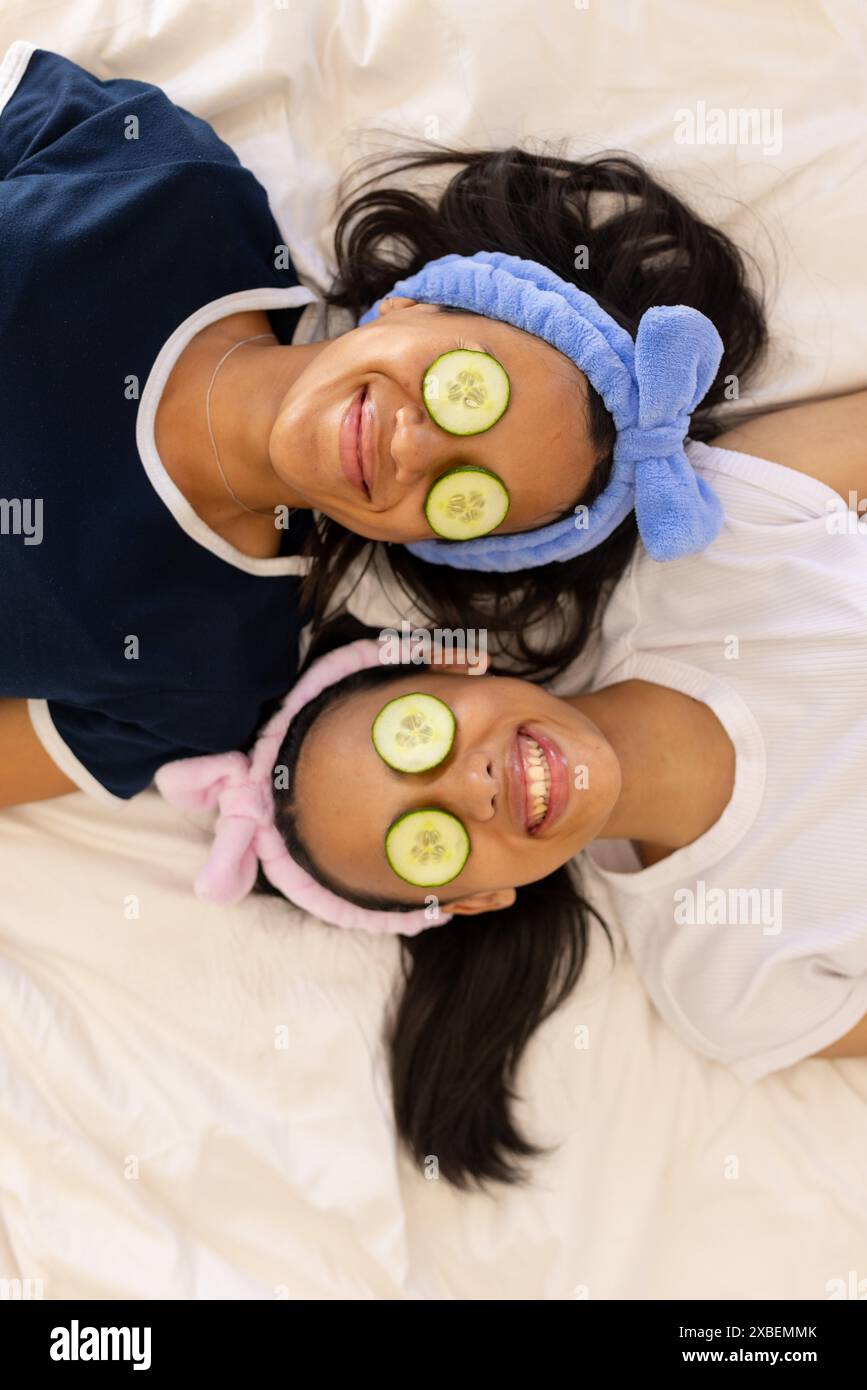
(712, 777)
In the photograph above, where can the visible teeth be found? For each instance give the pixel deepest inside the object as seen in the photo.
(538, 775)
(539, 804)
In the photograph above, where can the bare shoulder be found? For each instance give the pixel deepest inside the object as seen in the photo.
(27, 773)
(826, 439)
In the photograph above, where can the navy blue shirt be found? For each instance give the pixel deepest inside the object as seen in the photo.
(137, 635)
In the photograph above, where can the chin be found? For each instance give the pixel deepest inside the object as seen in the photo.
(590, 821)
(295, 453)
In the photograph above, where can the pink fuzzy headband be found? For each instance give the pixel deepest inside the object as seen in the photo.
(240, 789)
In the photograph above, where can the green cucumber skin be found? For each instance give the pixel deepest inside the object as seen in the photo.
(467, 468)
(464, 434)
(428, 766)
(418, 810)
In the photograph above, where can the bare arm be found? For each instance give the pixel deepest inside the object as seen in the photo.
(852, 1044)
(826, 439)
(26, 771)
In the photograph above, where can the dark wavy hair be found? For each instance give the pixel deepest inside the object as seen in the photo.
(644, 247)
(472, 991)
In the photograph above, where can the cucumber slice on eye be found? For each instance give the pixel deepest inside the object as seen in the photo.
(466, 503)
(427, 848)
(465, 391)
(413, 733)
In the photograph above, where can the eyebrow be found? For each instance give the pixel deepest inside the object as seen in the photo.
(483, 347)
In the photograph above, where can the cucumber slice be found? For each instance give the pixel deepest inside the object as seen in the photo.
(466, 503)
(413, 733)
(427, 848)
(465, 391)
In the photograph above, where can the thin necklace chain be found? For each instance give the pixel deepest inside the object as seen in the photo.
(227, 485)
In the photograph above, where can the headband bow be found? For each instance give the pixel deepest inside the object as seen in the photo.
(240, 789)
(650, 386)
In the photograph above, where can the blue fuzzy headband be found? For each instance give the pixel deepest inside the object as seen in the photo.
(650, 387)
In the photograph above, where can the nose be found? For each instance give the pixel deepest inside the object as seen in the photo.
(417, 446)
(469, 785)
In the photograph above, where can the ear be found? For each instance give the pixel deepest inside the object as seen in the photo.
(493, 901)
(397, 301)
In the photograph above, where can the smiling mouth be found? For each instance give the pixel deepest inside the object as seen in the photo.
(359, 441)
(537, 779)
(538, 772)
(351, 448)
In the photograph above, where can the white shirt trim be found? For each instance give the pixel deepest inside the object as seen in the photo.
(853, 1008)
(812, 494)
(290, 298)
(13, 67)
(63, 757)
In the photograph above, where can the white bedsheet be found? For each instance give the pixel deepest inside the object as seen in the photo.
(193, 1101)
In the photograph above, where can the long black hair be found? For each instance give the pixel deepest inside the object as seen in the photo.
(472, 991)
(639, 246)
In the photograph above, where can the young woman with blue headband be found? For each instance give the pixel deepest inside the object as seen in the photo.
(712, 776)
(185, 484)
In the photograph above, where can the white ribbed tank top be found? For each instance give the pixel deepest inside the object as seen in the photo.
(752, 941)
